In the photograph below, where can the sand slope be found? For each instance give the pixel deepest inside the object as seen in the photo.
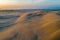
(34, 26)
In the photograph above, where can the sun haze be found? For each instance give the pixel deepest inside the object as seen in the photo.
(12, 4)
(29, 4)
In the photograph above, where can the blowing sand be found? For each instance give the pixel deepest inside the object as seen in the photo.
(46, 27)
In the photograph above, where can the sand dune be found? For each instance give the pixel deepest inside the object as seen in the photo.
(39, 27)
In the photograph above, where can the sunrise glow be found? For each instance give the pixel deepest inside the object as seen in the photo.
(6, 4)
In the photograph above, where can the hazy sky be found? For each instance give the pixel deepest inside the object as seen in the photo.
(22, 4)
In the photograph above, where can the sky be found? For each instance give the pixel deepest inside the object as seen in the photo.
(29, 4)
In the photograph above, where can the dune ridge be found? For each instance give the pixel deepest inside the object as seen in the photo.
(44, 27)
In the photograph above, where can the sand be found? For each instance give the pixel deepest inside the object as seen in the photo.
(39, 27)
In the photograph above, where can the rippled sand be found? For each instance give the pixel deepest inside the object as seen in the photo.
(34, 25)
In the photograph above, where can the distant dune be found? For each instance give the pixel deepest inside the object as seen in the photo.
(36, 25)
